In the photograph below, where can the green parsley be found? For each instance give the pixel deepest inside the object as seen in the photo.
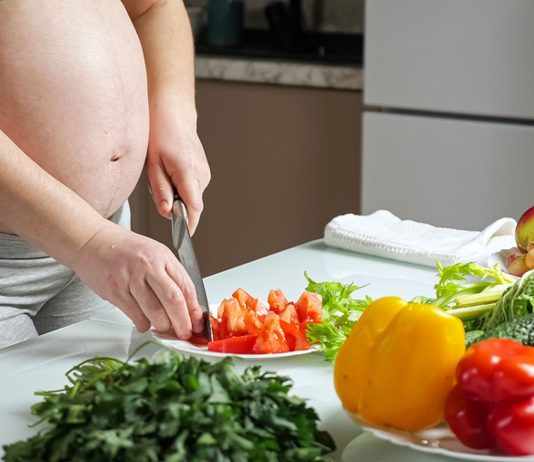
(340, 312)
(172, 409)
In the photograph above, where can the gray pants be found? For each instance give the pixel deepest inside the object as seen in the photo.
(37, 294)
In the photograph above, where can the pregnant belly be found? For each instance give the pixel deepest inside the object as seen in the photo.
(73, 94)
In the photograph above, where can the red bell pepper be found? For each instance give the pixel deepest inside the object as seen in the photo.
(468, 419)
(475, 372)
(512, 424)
(493, 401)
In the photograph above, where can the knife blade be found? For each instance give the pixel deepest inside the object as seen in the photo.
(186, 254)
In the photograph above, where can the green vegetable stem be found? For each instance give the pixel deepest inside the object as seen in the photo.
(470, 291)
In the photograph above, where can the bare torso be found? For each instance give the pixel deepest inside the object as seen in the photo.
(73, 94)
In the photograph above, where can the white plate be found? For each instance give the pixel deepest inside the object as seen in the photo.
(188, 347)
(437, 440)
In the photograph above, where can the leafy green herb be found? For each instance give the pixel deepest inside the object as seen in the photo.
(340, 312)
(172, 409)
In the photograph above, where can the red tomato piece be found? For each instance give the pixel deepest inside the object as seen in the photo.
(271, 338)
(277, 300)
(289, 314)
(198, 340)
(295, 334)
(215, 327)
(302, 342)
(243, 297)
(258, 306)
(468, 419)
(269, 342)
(220, 310)
(232, 320)
(310, 307)
(238, 345)
(253, 323)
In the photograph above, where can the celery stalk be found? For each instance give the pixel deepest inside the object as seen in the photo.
(489, 295)
(471, 312)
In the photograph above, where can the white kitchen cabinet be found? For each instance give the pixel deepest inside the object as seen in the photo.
(471, 57)
(447, 172)
(448, 133)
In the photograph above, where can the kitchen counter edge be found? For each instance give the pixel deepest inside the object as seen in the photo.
(338, 77)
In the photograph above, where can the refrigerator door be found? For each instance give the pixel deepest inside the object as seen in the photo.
(454, 56)
(453, 173)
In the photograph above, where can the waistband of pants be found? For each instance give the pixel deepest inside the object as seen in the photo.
(12, 246)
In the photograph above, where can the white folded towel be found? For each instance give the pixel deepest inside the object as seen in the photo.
(386, 235)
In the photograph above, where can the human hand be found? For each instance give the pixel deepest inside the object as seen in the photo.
(143, 278)
(176, 157)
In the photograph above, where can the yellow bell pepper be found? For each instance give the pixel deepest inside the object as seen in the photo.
(398, 363)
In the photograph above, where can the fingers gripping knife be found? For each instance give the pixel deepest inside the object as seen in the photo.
(186, 254)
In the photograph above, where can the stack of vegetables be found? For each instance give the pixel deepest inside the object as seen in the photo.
(397, 362)
(403, 364)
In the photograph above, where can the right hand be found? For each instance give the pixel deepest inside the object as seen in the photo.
(143, 278)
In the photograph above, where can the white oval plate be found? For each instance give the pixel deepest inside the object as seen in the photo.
(437, 440)
(188, 347)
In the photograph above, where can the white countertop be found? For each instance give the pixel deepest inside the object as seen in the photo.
(40, 364)
(338, 77)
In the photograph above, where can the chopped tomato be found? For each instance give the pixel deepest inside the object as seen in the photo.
(289, 314)
(232, 320)
(310, 307)
(295, 335)
(243, 297)
(277, 329)
(270, 342)
(271, 338)
(277, 300)
(215, 327)
(258, 306)
(198, 340)
(238, 345)
(253, 323)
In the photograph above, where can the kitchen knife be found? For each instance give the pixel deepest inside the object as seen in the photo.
(186, 254)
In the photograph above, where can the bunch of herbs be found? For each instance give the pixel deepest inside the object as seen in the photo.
(172, 409)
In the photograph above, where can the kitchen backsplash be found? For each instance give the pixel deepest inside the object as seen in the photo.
(324, 15)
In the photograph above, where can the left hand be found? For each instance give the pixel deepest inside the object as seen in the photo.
(176, 157)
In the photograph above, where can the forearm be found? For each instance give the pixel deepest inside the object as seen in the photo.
(36, 206)
(165, 34)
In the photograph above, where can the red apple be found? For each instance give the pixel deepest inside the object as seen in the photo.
(524, 231)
